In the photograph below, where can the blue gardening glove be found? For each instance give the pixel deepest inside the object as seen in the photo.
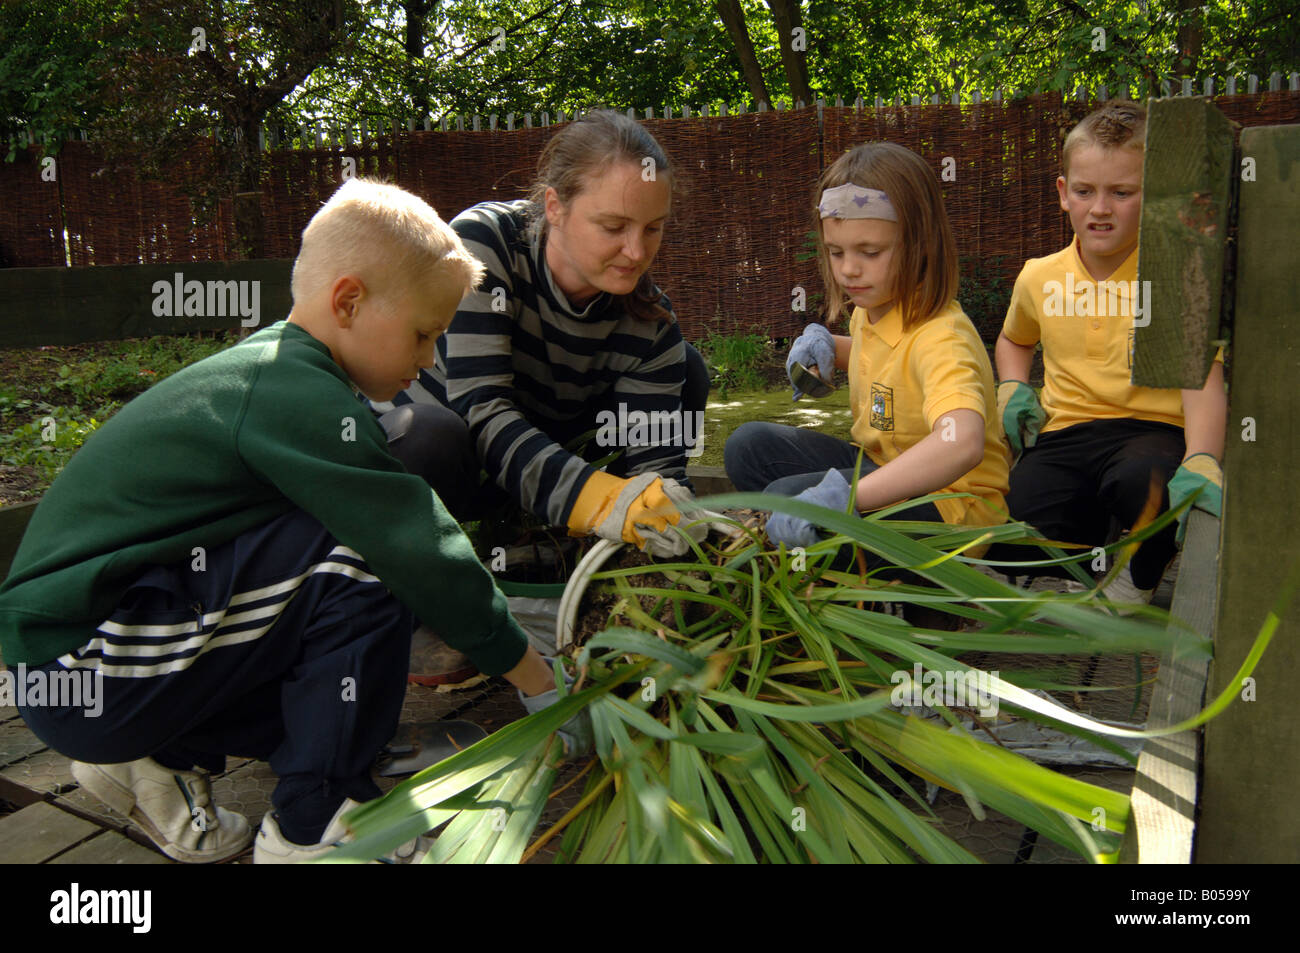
(814, 346)
(1022, 415)
(1199, 472)
(575, 734)
(832, 492)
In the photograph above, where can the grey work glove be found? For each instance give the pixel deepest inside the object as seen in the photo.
(575, 734)
(669, 541)
(832, 492)
(816, 346)
(707, 521)
(642, 515)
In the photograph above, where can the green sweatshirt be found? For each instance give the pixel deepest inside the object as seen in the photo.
(219, 448)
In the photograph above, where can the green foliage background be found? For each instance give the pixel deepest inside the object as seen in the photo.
(112, 64)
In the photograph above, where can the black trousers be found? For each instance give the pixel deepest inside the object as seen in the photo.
(1077, 483)
(434, 442)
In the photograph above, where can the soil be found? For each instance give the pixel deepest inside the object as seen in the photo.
(17, 484)
(601, 600)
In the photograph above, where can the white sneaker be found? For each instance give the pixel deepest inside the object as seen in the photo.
(1122, 591)
(174, 808)
(273, 848)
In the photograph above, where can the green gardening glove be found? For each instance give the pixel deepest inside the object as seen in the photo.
(1022, 415)
(1200, 474)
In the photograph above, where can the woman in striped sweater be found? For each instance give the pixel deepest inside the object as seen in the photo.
(566, 334)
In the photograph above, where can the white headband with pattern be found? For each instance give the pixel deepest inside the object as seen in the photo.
(853, 201)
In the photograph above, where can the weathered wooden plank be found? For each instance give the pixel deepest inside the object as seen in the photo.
(17, 741)
(13, 523)
(108, 302)
(45, 772)
(39, 832)
(1163, 802)
(111, 848)
(709, 480)
(1251, 761)
(1187, 179)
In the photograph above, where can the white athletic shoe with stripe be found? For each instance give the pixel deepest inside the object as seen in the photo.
(1128, 598)
(273, 848)
(174, 808)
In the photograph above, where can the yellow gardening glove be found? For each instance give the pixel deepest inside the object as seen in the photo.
(594, 503)
(629, 510)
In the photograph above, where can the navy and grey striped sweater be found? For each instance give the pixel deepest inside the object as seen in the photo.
(539, 366)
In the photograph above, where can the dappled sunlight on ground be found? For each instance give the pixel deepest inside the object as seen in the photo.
(829, 415)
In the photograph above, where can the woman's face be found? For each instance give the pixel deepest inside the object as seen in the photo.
(607, 237)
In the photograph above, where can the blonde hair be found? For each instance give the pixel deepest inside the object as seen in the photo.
(392, 239)
(926, 259)
(1119, 124)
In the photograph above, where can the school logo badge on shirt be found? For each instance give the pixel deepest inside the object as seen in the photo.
(882, 407)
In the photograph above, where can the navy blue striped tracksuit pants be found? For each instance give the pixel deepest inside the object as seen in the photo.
(282, 646)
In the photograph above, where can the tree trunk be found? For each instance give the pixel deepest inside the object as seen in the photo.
(1191, 31)
(249, 240)
(734, 20)
(416, 10)
(789, 16)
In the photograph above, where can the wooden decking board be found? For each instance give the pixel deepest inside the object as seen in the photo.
(17, 742)
(1162, 821)
(109, 847)
(46, 772)
(84, 804)
(40, 832)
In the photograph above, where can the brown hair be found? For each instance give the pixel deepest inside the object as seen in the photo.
(582, 151)
(926, 259)
(1119, 124)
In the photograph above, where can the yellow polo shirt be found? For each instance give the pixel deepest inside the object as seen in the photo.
(1086, 327)
(902, 383)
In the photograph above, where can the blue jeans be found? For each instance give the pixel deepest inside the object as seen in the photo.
(775, 458)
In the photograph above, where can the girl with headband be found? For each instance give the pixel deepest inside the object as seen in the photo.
(920, 382)
(566, 331)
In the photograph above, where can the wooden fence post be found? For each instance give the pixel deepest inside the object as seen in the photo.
(1252, 750)
(1187, 191)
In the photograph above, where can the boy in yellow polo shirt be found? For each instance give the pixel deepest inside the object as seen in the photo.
(1095, 447)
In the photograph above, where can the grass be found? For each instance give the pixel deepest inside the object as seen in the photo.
(724, 413)
(54, 398)
(741, 361)
(80, 388)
